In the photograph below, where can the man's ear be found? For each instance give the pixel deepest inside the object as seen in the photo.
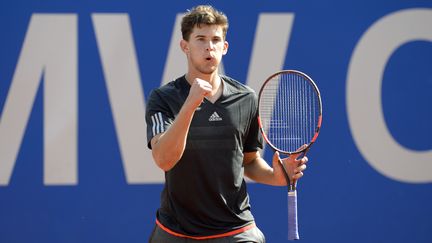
(184, 45)
(225, 49)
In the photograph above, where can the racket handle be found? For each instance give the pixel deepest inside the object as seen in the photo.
(292, 216)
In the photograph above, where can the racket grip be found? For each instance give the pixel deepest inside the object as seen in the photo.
(292, 216)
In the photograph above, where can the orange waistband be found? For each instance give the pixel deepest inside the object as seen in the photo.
(230, 233)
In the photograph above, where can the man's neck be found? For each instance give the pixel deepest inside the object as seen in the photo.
(214, 79)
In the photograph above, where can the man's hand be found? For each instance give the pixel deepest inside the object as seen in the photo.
(199, 89)
(294, 167)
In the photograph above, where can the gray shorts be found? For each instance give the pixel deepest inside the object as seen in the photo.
(252, 235)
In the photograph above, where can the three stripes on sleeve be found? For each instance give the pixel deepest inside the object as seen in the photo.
(158, 123)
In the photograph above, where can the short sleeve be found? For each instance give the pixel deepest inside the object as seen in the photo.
(254, 139)
(158, 116)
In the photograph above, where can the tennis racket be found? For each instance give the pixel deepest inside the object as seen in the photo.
(289, 117)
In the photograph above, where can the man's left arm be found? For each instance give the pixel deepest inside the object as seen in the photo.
(257, 169)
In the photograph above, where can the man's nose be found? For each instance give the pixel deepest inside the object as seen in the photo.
(210, 46)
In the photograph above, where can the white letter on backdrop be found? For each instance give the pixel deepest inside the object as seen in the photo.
(364, 105)
(49, 49)
(120, 67)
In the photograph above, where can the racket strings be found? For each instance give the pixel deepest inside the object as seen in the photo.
(289, 111)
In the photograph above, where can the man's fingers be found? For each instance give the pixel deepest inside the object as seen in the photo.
(204, 86)
(303, 160)
(301, 168)
(276, 156)
(297, 175)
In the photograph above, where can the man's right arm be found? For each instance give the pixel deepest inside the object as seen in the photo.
(168, 147)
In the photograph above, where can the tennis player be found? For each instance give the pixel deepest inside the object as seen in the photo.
(203, 132)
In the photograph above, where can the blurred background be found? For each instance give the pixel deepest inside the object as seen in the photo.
(74, 77)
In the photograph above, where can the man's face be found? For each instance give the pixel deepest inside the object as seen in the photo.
(205, 48)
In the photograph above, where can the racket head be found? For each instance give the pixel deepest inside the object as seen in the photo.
(289, 111)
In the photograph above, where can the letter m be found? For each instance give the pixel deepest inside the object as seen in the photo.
(49, 51)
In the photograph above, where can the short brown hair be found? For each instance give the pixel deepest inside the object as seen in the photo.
(203, 14)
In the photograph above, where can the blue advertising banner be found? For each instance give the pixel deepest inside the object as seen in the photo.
(75, 76)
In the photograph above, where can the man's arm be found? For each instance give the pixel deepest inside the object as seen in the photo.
(257, 169)
(168, 147)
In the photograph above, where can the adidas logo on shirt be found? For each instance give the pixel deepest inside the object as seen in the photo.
(215, 117)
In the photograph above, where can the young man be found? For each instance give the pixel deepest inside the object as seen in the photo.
(203, 132)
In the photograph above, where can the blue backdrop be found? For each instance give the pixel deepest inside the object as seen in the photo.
(74, 76)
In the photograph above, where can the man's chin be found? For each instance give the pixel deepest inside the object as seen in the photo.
(208, 70)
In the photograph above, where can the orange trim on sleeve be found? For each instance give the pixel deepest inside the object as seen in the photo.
(230, 233)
